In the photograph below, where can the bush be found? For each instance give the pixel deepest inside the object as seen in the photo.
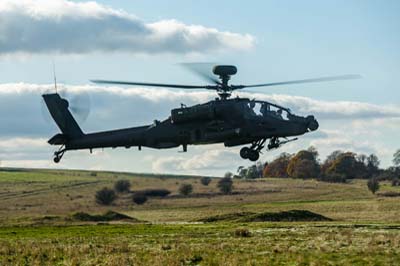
(122, 186)
(139, 198)
(242, 232)
(205, 180)
(373, 185)
(105, 196)
(158, 192)
(185, 189)
(225, 185)
(106, 217)
(228, 174)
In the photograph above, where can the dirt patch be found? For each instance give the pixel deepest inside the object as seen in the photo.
(106, 217)
(284, 216)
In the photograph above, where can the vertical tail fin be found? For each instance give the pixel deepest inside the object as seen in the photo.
(58, 108)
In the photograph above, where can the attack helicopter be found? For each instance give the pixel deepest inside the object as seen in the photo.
(231, 121)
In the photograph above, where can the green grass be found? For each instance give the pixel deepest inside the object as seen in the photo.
(216, 244)
(36, 228)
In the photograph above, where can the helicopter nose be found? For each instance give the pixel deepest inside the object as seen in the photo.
(312, 123)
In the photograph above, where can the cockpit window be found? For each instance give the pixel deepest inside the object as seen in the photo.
(265, 109)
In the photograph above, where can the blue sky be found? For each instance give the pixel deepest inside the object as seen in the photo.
(272, 41)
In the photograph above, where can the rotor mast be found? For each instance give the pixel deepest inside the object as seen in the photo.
(224, 72)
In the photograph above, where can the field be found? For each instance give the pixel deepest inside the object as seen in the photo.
(36, 227)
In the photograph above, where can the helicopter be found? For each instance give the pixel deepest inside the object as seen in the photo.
(231, 121)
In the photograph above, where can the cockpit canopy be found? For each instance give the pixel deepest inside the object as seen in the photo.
(267, 109)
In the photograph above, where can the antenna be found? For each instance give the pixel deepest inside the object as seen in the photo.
(55, 78)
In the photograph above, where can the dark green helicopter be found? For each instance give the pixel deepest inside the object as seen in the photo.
(232, 121)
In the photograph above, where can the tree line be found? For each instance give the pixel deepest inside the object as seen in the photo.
(338, 166)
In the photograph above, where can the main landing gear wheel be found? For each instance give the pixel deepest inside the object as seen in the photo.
(254, 155)
(247, 153)
(244, 152)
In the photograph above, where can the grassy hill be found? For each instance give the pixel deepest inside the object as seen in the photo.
(36, 207)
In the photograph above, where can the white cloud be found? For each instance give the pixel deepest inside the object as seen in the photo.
(214, 158)
(331, 109)
(66, 27)
(27, 163)
(23, 132)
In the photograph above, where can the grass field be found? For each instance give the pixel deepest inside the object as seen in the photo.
(36, 226)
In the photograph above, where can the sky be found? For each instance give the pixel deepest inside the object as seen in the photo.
(146, 41)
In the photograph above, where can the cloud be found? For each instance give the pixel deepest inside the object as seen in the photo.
(23, 148)
(23, 131)
(331, 109)
(66, 27)
(138, 106)
(208, 159)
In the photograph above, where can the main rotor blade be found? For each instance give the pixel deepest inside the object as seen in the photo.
(322, 79)
(151, 84)
(203, 70)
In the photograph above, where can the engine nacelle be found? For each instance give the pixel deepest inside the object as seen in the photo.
(224, 70)
(192, 114)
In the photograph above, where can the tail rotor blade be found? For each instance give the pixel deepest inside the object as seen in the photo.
(79, 104)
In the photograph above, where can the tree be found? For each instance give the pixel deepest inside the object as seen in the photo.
(105, 196)
(396, 158)
(252, 172)
(314, 152)
(225, 185)
(372, 164)
(304, 165)
(122, 186)
(205, 180)
(242, 171)
(345, 164)
(185, 189)
(330, 159)
(304, 169)
(373, 185)
(278, 167)
(362, 158)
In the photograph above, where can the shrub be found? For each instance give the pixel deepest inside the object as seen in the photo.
(105, 196)
(205, 180)
(122, 186)
(158, 192)
(228, 174)
(185, 189)
(373, 185)
(139, 198)
(242, 232)
(225, 185)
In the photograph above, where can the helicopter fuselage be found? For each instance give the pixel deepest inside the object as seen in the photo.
(234, 122)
